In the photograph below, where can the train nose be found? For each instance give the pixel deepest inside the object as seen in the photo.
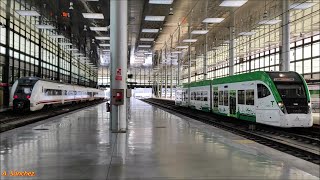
(21, 104)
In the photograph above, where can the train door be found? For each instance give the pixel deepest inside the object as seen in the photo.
(233, 103)
(215, 96)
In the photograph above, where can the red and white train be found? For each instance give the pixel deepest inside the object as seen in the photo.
(32, 94)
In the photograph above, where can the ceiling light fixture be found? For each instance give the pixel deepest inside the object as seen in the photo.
(301, 6)
(27, 13)
(93, 15)
(72, 49)
(144, 46)
(182, 47)
(99, 28)
(270, 22)
(233, 3)
(102, 38)
(199, 32)
(65, 44)
(44, 26)
(154, 18)
(148, 53)
(247, 33)
(104, 45)
(176, 52)
(150, 30)
(56, 36)
(147, 39)
(189, 40)
(160, 1)
(213, 20)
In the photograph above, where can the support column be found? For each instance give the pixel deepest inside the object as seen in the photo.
(189, 65)
(205, 55)
(171, 74)
(178, 83)
(205, 48)
(118, 41)
(285, 50)
(231, 45)
(165, 80)
(6, 67)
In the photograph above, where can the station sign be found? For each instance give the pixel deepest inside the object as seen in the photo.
(118, 75)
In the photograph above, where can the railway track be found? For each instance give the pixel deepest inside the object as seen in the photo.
(299, 144)
(10, 120)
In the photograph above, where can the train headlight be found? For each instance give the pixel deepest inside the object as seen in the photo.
(280, 104)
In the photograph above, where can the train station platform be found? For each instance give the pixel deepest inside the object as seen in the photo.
(158, 145)
(3, 109)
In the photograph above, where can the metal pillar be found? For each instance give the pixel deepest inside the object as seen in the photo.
(165, 80)
(118, 41)
(178, 83)
(6, 67)
(205, 55)
(205, 48)
(231, 46)
(171, 74)
(285, 50)
(189, 65)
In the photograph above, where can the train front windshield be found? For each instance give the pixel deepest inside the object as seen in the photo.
(292, 91)
(25, 87)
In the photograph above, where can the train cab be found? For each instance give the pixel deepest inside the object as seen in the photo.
(21, 93)
(294, 100)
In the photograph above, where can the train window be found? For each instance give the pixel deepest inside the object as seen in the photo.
(241, 98)
(201, 96)
(226, 99)
(198, 96)
(220, 97)
(263, 91)
(192, 96)
(205, 96)
(24, 89)
(250, 97)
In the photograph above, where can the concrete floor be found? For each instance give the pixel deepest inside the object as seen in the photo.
(158, 145)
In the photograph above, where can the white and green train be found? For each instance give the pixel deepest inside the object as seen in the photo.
(274, 98)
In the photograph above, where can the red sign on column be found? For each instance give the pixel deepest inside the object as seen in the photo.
(118, 74)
